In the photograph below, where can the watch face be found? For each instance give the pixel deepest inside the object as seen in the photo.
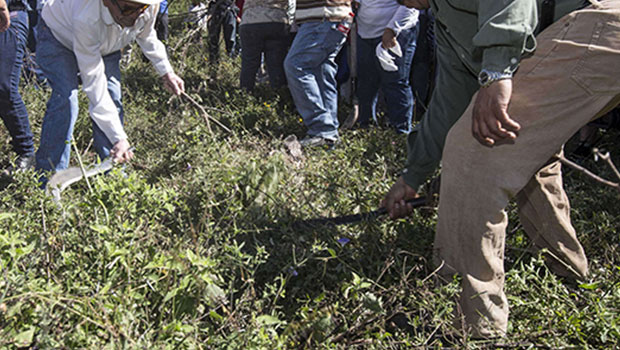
(483, 78)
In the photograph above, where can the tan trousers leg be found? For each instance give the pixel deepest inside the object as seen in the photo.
(544, 212)
(573, 76)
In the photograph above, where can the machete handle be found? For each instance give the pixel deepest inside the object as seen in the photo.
(415, 203)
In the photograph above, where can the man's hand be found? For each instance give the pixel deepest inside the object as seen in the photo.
(5, 16)
(121, 152)
(388, 40)
(394, 201)
(173, 83)
(491, 122)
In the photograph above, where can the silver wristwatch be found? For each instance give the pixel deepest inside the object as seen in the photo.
(486, 77)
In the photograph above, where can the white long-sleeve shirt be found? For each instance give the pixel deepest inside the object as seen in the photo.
(88, 29)
(374, 16)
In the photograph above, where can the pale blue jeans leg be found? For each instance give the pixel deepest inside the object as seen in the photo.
(311, 73)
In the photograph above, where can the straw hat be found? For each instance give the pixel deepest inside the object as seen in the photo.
(146, 2)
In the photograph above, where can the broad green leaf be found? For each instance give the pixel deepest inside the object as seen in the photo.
(24, 338)
(267, 320)
(6, 216)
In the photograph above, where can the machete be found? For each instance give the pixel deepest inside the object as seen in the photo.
(351, 219)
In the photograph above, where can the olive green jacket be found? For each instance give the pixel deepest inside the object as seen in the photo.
(471, 35)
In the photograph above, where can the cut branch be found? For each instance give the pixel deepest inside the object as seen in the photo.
(576, 166)
(206, 115)
(606, 157)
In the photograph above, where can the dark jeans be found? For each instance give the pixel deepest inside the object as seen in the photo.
(395, 85)
(226, 21)
(12, 108)
(423, 69)
(161, 26)
(273, 40)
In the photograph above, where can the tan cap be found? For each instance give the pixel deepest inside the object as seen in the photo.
(146, 2)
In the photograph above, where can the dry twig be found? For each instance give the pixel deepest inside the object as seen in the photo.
(576, 166)
(205, 115)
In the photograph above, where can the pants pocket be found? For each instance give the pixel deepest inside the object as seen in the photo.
(597, 71)
(333, 39)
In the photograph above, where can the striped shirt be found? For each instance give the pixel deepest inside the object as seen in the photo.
(322, 10)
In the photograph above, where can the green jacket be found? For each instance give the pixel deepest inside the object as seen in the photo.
(471, 35)
(489, 34)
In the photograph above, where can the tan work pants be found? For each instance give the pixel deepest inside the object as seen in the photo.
(573, 78)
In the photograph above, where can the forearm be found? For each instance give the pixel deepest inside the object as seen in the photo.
(154, 49)
(455, 86)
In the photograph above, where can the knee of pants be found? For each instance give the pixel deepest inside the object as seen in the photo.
(289, 66)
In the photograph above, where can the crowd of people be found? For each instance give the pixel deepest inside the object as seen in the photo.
(514, 80)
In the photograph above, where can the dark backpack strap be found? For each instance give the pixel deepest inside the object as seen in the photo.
(547, 13)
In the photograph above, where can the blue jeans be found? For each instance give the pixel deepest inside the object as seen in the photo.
(270, 38)
(310, 68)
(395, 85)
(12, 108)
(60, 67)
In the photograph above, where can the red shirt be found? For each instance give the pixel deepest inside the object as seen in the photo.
(239, 4)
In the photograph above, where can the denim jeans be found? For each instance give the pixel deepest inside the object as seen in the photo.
(12, 108)
(310, 68)
(60, 67)
(272, 39)
(394, 85)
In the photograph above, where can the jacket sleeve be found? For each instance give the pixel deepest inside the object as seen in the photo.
(505, 32)
(404, 18)
(152, 47)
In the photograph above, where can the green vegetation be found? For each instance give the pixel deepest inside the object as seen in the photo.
(195, 247)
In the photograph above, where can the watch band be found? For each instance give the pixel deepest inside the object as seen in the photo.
(486, 77)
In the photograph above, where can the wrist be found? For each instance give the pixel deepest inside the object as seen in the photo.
(487, 77)
(389, 31)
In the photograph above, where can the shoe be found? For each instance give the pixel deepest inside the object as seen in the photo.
(22, 163)
(315, 141)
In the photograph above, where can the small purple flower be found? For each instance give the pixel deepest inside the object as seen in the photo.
(292, 271)
(189, 167)
(343, 241)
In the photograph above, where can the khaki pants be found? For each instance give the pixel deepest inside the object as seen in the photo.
(573, 78)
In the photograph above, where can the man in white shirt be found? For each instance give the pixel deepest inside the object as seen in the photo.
(85, 36)
(385, 25)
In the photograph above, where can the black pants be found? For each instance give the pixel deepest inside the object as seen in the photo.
(271, 39)
(225, 21)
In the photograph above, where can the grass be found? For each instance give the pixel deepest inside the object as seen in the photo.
(196, 247)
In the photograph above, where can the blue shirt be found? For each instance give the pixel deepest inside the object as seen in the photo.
(163, 6)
